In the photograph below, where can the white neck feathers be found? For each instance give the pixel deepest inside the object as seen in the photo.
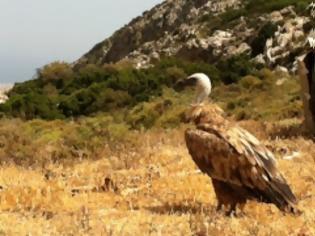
(203, 86)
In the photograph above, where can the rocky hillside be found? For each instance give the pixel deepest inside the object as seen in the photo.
(271, 32)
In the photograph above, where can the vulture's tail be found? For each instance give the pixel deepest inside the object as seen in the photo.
(282, 196)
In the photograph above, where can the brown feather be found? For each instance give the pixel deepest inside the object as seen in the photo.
(236, 159)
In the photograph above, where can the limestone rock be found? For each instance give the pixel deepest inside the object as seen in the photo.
(181, 28)
(276, 16)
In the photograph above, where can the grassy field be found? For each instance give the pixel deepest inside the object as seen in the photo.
(129, 172)
(150, 188)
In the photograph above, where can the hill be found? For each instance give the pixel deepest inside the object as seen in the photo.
(272, 32)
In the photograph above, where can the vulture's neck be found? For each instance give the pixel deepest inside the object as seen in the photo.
(207, 113)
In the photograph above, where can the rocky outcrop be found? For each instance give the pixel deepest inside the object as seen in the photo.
(191, 30)
(158, 32)
(288, 39)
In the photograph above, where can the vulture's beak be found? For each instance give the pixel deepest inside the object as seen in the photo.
(180, 85)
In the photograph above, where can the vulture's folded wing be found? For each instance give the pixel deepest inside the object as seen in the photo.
(237, 157)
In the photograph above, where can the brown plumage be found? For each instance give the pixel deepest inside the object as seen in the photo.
(240, 166)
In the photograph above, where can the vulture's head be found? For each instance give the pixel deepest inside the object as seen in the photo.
(201, 111)
(202, 84)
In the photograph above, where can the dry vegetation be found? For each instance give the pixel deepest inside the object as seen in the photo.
(101, 176)
(147, 185)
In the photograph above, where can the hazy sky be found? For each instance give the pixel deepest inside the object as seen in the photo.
(36, 32)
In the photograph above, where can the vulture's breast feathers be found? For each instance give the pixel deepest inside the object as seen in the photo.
(205, 113)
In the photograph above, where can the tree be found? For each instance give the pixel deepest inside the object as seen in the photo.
(56, 73)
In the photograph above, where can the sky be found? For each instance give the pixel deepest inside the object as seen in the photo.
(36, 32)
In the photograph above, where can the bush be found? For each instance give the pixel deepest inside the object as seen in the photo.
(85, 77)
(232, 14)
(175, 73)
(55, 72)
(234, 68)
(94, 99)
(266, 32)
(31, 106)
(31, 86)
(249, 82)
(190, 67)
(265, 74)
(107, 88)
(143, 115)
(262, 6)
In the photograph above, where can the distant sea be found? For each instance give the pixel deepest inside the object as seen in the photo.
(5, 85)
(4, 88)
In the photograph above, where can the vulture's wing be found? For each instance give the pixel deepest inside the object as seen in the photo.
(237, 157)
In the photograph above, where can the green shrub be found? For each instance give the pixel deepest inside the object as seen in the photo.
(232, 14)
(242, 115)
(301, 7)
(250, 82)
(143, 115)
(31, 86)
(85, 77)
(175, 73)
(56, 73)
(94, 99)
(266, 32)
(262, 6)
(234, 68)
(265, 74)
(190, 67)
(107, 88)
(31, 106)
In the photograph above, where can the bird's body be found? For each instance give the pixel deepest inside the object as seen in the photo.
(240, 166)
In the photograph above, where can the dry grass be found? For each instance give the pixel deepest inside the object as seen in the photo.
(152, 188)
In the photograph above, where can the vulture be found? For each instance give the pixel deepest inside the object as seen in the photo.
(240, 166)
